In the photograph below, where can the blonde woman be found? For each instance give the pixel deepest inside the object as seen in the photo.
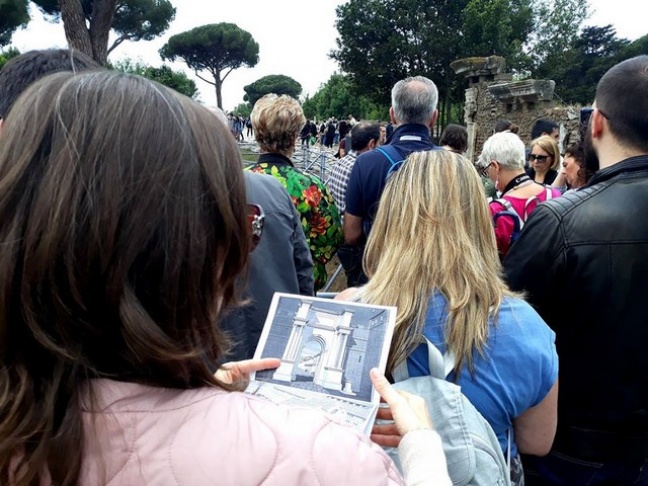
(544, 160)
(432, 254)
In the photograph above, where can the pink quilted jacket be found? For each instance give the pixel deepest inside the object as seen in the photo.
(138, 435)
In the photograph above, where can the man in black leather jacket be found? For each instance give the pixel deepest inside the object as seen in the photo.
(583, 261)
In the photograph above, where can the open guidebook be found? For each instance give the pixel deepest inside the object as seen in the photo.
(326, 349)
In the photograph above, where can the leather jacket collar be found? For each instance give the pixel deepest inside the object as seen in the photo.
(633, 164)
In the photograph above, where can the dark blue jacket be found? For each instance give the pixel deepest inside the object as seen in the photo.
(368, 178)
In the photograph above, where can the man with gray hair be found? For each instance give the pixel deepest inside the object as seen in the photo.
(414, 112)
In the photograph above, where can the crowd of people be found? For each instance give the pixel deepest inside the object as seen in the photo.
(139, 259)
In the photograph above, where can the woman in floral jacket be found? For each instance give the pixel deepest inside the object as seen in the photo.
(276, 121)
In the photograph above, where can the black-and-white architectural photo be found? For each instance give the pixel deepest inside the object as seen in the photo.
(325, 346)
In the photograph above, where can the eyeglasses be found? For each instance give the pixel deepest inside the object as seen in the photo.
(540, 158)
(256, 220)
(483, 170)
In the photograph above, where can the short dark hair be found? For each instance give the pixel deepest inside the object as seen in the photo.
(622, 98)
(543, 126)
(362, 133)
(455, 137)
(502, 125)
(23, 70)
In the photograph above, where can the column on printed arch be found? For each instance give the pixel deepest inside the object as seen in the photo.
(334, 371)
(285, 370)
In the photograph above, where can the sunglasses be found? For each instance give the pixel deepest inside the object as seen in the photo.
(540, 158)
(256, 220)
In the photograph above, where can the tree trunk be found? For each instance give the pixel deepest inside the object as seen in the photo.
(218, 83)
(103, 12)
(74, 24)
(441, 121)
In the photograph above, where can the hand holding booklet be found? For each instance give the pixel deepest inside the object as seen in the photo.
(326, 349)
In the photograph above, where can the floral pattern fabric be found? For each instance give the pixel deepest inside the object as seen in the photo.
(320, 217)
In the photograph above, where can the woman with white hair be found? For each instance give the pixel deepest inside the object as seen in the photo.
(502, 161)
(431, 253)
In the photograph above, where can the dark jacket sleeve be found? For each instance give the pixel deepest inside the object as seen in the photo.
(535, 262)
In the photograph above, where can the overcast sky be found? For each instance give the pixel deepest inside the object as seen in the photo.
(294, 36)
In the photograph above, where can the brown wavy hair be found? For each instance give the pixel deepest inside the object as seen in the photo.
(123, 228)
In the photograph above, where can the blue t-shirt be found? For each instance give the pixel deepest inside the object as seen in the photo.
(369, 175)
(519, 367)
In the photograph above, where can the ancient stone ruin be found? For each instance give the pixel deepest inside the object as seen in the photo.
(492, 95)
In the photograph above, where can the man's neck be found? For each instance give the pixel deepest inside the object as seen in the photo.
(615, 154)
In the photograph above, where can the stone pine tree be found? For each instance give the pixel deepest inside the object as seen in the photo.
(274, 83)
(215, 48)
(88, 23)
(176, 80)
(13, 14)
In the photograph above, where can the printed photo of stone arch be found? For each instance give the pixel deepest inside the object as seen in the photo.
(326, 346)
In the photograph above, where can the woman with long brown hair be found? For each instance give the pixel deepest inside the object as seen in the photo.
(432, 254)
(123, 229)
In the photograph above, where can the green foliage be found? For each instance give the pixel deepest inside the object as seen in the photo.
(274, 83)
(557, 29)
(498, 27)
(134, 20)
(215, 48)
(13, 14)
(52, 7)
(383, 41)
(337, 98)
(590, 55)
(8, 54)
(637, 47)
(310, 108)
(176, 80)
(243, 109)
(137, 20)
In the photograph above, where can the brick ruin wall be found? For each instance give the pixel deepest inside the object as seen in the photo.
(485, 110)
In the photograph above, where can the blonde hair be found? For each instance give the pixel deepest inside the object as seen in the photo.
(277, 121)
(549, 145)
(433, 232)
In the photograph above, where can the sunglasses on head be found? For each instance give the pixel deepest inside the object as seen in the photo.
(540, 158)
(256, 220)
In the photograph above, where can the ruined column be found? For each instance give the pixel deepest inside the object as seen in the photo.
(477, 70)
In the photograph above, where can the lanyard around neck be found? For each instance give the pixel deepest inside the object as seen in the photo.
(521, 179)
